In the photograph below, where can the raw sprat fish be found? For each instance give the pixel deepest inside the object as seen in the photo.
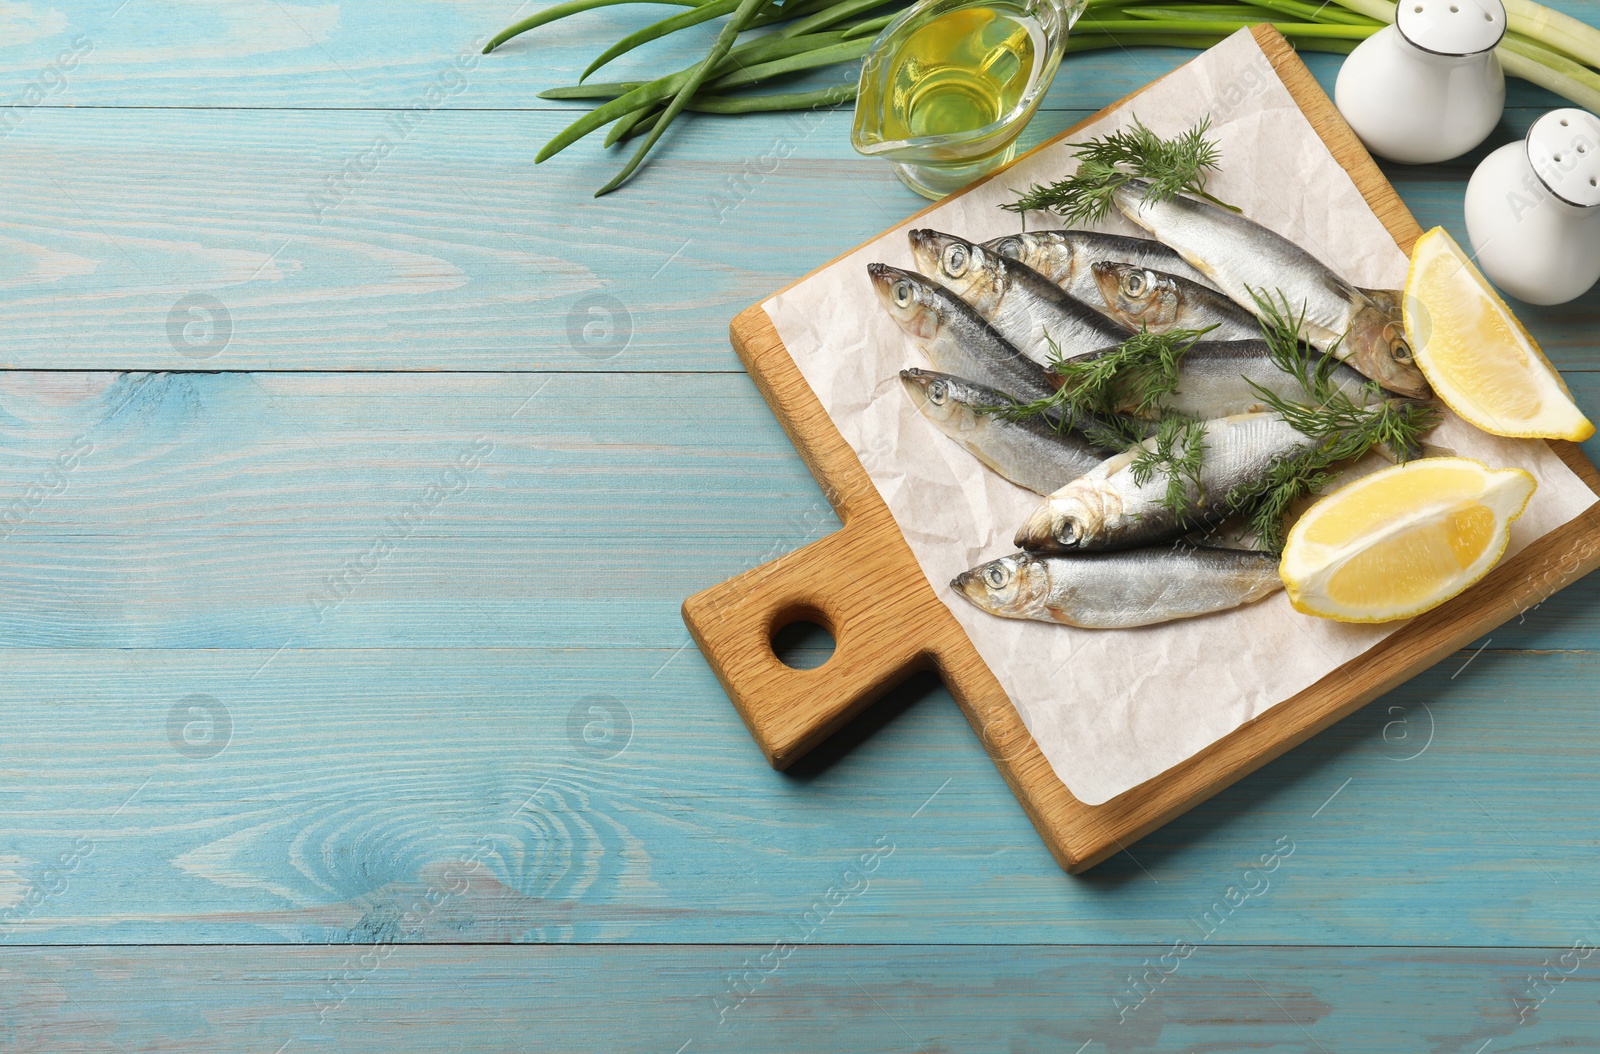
(1245, 260)
(1067, 258)
(1120, 590)
(1223, 378)
(953, 336)
(1237, 532)
(1144, 299)
(1026, 308)
(1042, 454)
(1116, 506)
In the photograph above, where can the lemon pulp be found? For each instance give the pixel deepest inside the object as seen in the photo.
(1403, 540)
(1478, 357)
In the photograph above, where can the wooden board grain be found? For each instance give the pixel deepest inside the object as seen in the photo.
(864, 585)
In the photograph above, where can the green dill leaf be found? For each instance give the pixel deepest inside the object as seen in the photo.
(1176, 453)
(1173, 166)
(1266, 501)
(1132, 378)
(1340, 429)
(1112, 431)
(1099, 392)
(1056, 409)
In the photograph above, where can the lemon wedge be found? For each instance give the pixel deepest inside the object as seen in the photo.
(1402, 540)
(1476, 354)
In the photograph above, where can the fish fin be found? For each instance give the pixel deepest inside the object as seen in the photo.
(1386, 300)
(1063, 616)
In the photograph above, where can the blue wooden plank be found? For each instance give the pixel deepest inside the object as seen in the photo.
(236, 240)
(872, 999)
(365, 510)
(359, 54)
(613, 795)
(417, 680)
(414, 510)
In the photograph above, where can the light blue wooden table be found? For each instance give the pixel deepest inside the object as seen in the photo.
(347, 705)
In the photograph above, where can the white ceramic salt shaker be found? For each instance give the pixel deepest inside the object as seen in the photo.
(1429, 87)
(1533, 210)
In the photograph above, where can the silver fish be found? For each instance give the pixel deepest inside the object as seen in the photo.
(1067, 257)
(952, 335)
(1022, 305)
(1030, 453)
(1241, 257)
(1120, 590)
(1235, 532)
(1214, 380)
(1143, 299)
(1106, 508)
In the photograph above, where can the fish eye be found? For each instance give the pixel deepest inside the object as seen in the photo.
(996, 576)
(902, 292)
(1010, 248)
(937, 392)
(955, 259)
(1133, 283)
(1401, 351)
(1067, 532)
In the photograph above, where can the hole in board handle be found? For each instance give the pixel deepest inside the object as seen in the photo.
(802, 639)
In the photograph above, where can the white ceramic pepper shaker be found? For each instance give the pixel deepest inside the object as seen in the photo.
(1429, 87)
(1533, 210)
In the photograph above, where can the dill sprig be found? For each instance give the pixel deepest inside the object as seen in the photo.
(1341, 429)
(1111, 431)
(1176, 451)
(1063, 412)
(1132, 378)
(1099, 391)
(1168, 166)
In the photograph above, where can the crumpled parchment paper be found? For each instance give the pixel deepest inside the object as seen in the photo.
(1111, 709)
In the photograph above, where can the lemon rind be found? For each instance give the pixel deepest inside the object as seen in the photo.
(1486, 562)
(1582, 428)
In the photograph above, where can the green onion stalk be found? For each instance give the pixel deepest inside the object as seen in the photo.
(1542, 46)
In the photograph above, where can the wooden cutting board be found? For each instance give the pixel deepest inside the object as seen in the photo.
(864, 585)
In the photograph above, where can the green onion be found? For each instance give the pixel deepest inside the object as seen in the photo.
(1199, 13)
(838, 12)
(1554, 30)
(704, 13)
(1544, 47)
(571, 7)
(798, 100)
(869, 27)
(724, 43)
(828, 56)
(1547, 69)
(591, 91)
(1292, 30)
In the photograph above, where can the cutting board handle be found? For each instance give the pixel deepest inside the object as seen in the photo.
(864, 592)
